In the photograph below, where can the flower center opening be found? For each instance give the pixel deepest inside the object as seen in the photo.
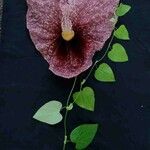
(68, 35)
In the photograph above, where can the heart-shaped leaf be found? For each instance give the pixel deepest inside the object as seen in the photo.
(122, 33)
(122, 9)
(83, 135)
(118, 53)
(104, 73)
(85, 98)
(49, 113)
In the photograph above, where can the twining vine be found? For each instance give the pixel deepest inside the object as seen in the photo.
(50, 113)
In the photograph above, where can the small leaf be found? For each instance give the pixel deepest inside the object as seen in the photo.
(114, 19)
(83, 135)
(85, 98)
(122, 33)
(122, 9)
(118, 53)
(104, 73)
(70, 107)
(49, 113)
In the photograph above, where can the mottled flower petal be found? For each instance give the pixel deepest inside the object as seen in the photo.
(90, 20)
(43, 22)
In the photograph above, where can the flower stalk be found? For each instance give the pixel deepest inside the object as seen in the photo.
(66, 114)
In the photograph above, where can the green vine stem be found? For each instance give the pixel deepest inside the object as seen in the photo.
(66, 114)
(81, 86)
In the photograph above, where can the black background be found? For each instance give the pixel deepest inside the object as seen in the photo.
(122, 108)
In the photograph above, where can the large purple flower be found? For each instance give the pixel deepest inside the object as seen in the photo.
(68, 32)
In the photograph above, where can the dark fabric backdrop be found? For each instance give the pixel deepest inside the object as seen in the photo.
(122, 108)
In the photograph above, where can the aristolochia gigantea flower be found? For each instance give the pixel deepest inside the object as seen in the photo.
(69, 32)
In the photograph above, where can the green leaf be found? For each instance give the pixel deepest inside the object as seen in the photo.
(83, 135)
(118, 53)
(122, 9)
(85, 98)
(104, 73)
(49, 113)
(122, 33)
(70, 107)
